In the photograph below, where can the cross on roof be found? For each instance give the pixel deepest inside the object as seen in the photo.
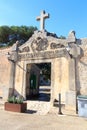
(42, 19)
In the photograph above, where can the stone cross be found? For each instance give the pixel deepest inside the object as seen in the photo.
(42, 19)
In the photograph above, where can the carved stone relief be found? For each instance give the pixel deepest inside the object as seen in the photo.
(26, 49)
(44, 55)
(55, 46)
(39, 44)
(13, 56)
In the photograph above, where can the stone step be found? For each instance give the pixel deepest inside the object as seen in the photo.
(38, 107)
(35, 107)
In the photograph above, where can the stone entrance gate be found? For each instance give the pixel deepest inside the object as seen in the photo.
(45, 47)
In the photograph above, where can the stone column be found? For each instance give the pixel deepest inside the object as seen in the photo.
(71, 93)
(72, 74)
(24, 81)
(12, 57)
(12, 79)
(52, 81)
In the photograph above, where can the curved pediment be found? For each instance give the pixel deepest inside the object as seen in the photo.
(40, 41)
(44, 46)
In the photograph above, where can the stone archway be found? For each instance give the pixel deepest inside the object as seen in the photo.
(44, 47)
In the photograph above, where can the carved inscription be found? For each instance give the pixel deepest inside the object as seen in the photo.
(43, 55)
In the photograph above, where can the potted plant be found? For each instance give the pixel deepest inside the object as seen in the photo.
(15, 104)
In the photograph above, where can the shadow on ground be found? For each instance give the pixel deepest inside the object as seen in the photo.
(31, 111)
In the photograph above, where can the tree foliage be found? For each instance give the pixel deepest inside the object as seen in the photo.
(62, 37)
(4, 33)
(45, 69)
(13, 33)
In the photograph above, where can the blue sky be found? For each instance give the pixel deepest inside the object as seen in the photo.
(65, 15)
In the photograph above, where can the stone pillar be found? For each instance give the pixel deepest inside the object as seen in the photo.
(12, 57)
(72, 84)
(12, 79)
(52, 82)
(71, 93)
(24, 81)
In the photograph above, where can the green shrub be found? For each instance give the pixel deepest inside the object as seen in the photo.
(19, 101)
(10, 100)
(14, 99)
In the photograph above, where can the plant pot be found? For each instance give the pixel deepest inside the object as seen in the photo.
(15, 107)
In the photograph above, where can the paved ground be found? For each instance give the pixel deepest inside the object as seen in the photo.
(21, 121)
(38, 117)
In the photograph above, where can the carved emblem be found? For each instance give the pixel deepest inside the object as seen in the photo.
(39, 44)
(55, 46)
(13, 56)
(25, 49)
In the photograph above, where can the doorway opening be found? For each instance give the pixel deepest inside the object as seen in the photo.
(38, 81)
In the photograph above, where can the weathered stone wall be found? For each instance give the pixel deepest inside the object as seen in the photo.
(4, 73)
(61, 80)
(82, 68)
